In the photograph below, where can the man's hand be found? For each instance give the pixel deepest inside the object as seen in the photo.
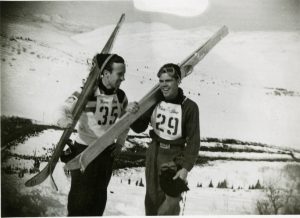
(132, 107)
(65, 122)
(182, 174)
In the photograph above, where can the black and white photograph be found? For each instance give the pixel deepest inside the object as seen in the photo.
(150, 108)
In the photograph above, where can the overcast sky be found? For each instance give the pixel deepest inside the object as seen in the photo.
(236, 14)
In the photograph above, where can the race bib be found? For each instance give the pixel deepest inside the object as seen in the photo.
(108, 110)
(166, 120)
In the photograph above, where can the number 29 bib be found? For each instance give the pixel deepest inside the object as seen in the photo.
(166, 120)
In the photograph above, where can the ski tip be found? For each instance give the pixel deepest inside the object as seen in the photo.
(28, 183)
(225, 30)
(38, 178)
(122, 18)
(31, 182)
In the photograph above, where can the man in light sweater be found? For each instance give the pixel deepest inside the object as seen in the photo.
(88, 193)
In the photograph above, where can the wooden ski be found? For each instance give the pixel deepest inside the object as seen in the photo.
(79, 106)
(91, 152)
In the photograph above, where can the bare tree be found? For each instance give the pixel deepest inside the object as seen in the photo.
(282, 198)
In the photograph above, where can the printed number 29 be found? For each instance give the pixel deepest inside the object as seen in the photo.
(172, 124)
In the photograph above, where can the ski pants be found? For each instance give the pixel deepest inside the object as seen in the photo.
(156, 201)
(88, 193)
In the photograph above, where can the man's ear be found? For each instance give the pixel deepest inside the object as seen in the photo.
(105, 73)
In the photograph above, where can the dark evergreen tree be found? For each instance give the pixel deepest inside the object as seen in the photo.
(141, 183)
(258, 186)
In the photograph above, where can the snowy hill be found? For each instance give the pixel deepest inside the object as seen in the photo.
(247, 79)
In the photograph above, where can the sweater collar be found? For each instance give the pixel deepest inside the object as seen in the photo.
(178, 100)
(105, 90)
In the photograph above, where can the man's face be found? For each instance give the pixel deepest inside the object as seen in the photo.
(168, 86)
(117, 75)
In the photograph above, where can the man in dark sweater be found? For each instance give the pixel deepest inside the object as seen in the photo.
(175, 140)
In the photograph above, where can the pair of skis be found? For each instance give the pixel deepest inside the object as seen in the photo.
(82, 160)
(92, 151)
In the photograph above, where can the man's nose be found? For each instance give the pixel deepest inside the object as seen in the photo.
(164, 83)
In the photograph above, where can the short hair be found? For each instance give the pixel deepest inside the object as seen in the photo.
(171, 69)
(115, 59)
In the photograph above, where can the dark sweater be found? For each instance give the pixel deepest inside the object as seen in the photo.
(190, 128)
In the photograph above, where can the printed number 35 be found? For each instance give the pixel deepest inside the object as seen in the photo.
(113, 115)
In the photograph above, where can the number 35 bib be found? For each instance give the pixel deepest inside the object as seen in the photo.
(166, 120)
(108, 110)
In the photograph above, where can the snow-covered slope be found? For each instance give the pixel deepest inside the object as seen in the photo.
(236, 85)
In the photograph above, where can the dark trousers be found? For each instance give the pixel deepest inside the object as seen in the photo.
(88, 193)
(156, 201)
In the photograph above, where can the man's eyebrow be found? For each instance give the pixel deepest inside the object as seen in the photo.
(161, 80)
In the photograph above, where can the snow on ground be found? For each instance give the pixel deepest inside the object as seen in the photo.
(208, 201)
(126, 196)
(198, 200)
(37, 145)
(237, 173)
(127, 199)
